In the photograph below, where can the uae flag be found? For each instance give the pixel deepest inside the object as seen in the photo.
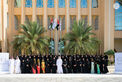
(55, 23)
(51, 24)
(57, 27)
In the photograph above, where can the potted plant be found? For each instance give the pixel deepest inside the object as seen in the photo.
(110, 54)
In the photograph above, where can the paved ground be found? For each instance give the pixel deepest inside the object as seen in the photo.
(110, 77)
(61, 78)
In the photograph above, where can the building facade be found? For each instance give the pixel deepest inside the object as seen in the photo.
(3, 25)
(98, 13)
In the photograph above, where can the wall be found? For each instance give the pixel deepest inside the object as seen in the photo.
(0, 20)
(105, 30)
(118, 45)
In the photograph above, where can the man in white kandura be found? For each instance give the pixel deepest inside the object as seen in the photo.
(11, 65)
(17, 65)
(59, 65)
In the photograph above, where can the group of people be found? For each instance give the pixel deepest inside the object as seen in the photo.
(60, 64)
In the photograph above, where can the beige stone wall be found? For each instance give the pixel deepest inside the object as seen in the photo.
(118, 45)
(105, 33)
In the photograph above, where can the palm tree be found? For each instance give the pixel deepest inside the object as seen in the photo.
(31, 39)
(80, 40)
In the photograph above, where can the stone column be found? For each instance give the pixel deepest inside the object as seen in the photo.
(2, 25)
(0, 20)
(56, 32)
(34, 10)
(67, 15)
(22, 11)
(45, 13)
(90, 12)
(11, 25)
(108, 25)
(4, 21)
(78, 10)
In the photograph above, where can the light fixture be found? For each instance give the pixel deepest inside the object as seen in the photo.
(116, 5)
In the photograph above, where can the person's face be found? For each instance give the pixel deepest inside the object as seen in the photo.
(92, 60)
(17, 57)
(12, 57)
(27, 59)
(50, 55)
(59, 57)
(22, 60)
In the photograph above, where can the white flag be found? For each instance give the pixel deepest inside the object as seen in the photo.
(55, 23)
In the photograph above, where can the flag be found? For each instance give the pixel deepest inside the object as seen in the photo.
(54, 24)
(60, 25)
(57, 27)
(51, 24)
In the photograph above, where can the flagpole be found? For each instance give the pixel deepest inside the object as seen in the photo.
(51, 41)
(51, 29)
(60, 36)
(57, 40)
(60, 41)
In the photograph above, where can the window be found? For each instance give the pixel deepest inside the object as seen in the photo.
(39, 3)
(72, 4)
(28, 3)
(95, 22)
(85, 19)
(72, 20)
(28, 18)
(17, 22)
(94, 3)
(17, 3)
(118, 18)
(62, 21)
(40, 20)
(61, 3)
(50, 4)
(83, 3)
(49, 20)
